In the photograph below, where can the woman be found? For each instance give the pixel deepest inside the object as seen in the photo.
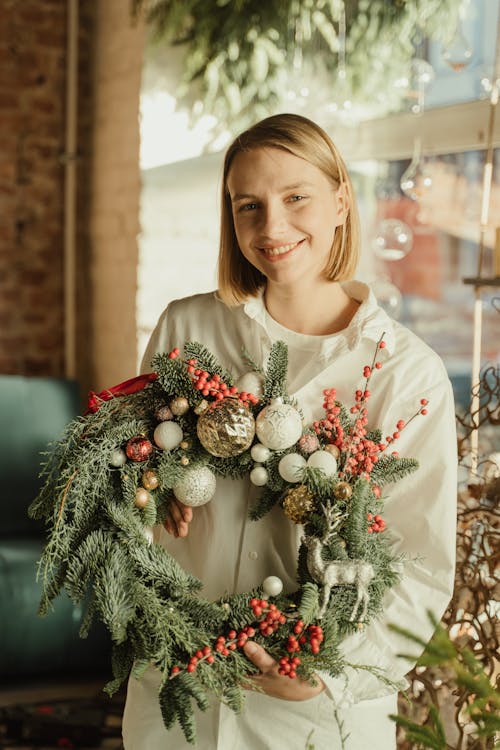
(289, 247)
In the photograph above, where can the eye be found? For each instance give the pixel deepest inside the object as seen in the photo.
(296, 198)
(247, 207)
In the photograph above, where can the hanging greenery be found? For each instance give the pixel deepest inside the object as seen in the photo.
(249, 58)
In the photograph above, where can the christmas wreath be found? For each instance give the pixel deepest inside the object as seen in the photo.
(110, 479)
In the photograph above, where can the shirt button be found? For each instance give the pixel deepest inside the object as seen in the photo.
(253, 555)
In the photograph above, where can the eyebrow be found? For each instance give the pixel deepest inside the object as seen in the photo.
(284, 189)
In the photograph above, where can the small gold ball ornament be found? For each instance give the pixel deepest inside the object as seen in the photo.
(227, 428)
(184, 445)
(179, 406)
(342, 491)
(333, 449)
(184, 460)
(150, 479)
(142, 497)
(298, 503)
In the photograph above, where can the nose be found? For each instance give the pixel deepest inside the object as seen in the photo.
(273, 218)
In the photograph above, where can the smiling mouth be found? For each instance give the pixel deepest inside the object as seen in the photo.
(281, 250)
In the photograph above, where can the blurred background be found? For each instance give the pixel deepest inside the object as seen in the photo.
(113, 121)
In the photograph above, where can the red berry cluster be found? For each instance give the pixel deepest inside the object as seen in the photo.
(212, 385)
(287, 665)
(376, 524)
(273, 618)
(314, 638)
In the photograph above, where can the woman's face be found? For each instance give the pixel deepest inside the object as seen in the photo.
(285, 213)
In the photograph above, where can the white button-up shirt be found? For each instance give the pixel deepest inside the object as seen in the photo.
(228, 552)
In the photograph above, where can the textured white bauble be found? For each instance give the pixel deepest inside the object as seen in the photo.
(251, 382)
(272, 585)
(259, 476)
(196, 486)
(168, 435)
(291, 466)
(260, 453)
(118, 458)
(279, 425)
(323, 460)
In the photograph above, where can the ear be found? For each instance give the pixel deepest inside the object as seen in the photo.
(342, 203)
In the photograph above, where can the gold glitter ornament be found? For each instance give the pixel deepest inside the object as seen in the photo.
(298, 503)
(342, 491)
(226, 429)
(150, 480)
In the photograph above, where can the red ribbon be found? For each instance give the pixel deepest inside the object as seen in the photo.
(133, 385)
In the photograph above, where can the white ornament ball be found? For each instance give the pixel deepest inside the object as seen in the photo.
(272, 585)
(168, 435)
(118, 458)
(196, 486)
(260, 453)
(279, 425)
(259, 476)
(291, 466)
(323, 460)
(251, 382)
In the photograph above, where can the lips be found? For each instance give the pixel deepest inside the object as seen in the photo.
(280, 250)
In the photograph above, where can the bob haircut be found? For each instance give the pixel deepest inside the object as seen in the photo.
(238, 279)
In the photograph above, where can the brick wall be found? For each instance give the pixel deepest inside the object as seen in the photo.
(32, 132)
(32, 79)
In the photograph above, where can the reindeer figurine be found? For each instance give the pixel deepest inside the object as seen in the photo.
(337, 572)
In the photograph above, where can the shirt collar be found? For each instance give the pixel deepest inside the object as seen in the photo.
(370, 321)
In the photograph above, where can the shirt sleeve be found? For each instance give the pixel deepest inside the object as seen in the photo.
(420, 512)
(158, 342)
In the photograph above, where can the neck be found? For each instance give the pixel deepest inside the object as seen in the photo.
(317, 311)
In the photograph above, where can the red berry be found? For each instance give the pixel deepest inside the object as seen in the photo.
(424, 401)
(382, 345)
(175, 670)
(210, 659)
(191, 667)
(423, 411)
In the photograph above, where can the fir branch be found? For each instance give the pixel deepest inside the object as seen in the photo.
(391, 469)
(276, 372)
(266, 502)
(207, 361)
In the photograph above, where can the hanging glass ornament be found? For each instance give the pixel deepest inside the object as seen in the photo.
(457, 52)
(416, 180)
(196, 486)
(291, 466)
(388, 296)
(333, 449)
(414, 85)
(226, 429)
(279, 425)
(393, 239)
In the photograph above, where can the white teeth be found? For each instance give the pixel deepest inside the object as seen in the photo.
(280, 250)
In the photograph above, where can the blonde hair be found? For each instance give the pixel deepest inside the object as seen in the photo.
(237, 278)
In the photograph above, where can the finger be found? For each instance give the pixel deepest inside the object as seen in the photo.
(259, 656)
(186, 511)
(180, 517)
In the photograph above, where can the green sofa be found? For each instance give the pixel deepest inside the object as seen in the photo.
(33, 412)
